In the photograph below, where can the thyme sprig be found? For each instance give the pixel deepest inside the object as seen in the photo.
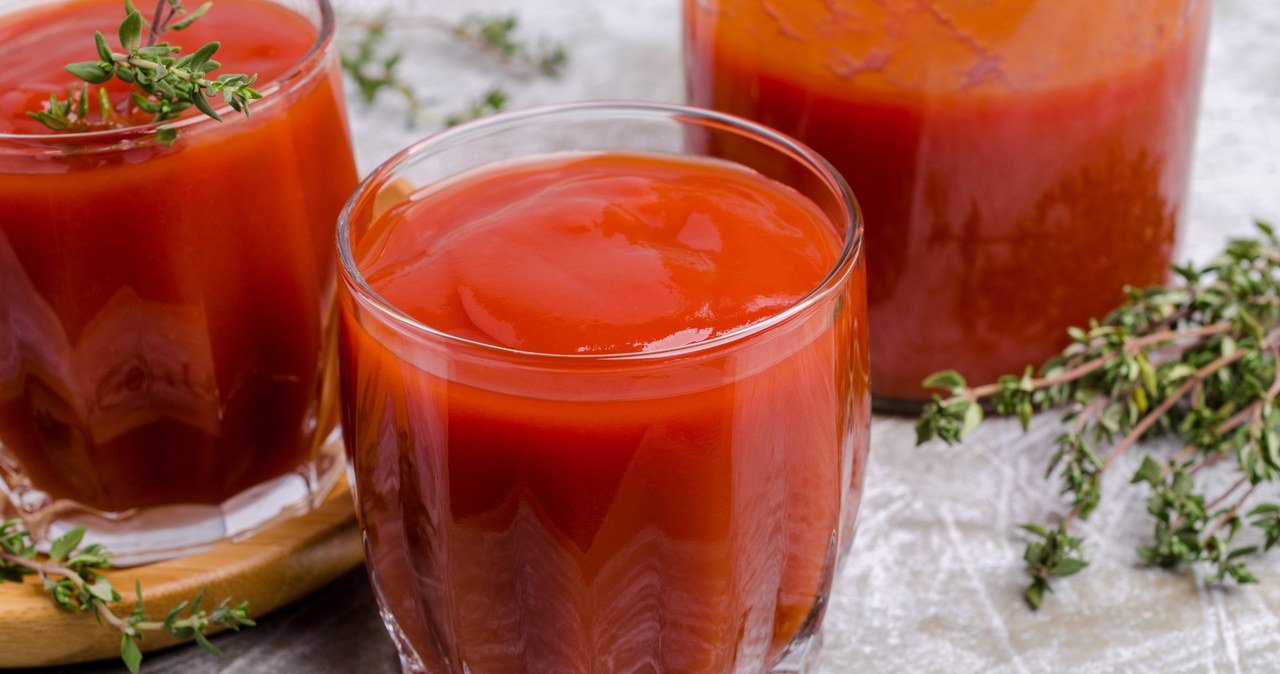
(1197, 362)
(73, 577)
(164, 84)
(497, 34)
(374, 68)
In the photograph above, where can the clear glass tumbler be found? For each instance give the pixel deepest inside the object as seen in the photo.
(1019, 163)
(565, 457)
(166, 311)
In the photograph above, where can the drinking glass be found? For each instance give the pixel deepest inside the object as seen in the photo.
(675, 508)
(1019, 163)
(166, 311)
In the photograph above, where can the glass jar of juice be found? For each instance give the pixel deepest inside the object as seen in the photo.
(166, 310)
(605, 398)
(1019, 163)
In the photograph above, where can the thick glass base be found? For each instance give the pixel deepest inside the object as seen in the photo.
(146, 535)
(799, 657)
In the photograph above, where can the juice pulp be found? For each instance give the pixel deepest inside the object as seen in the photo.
(609, 512)
(1018, 163)
(165, 316)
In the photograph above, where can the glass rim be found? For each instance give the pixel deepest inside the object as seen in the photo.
(292, 78)
(837, 273)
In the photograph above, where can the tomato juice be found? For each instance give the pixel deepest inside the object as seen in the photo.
(1018, 163)
(599, 417)
(165, 316)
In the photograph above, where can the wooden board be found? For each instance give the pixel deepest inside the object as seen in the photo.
(274, 567)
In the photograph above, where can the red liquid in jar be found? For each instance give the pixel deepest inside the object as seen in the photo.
(165, 311)
(1018, 163)
(679, 515)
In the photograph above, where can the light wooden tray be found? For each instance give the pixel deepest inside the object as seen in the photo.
(274, 567)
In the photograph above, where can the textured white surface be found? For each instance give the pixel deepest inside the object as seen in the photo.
(935, 581)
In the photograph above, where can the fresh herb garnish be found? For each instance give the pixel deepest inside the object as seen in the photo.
(164, 84)
(1196, 362)
(497, 34)
(374, 67)
(72, 576)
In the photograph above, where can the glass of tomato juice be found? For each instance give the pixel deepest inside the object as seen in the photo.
(605, 398)
(1019, 163)
(166, 331)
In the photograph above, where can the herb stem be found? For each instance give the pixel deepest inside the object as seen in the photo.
(1231, 512)
(156, 22)
(1132, 345)
(1227, 494)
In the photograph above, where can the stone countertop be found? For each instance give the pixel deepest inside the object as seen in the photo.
(934, 583)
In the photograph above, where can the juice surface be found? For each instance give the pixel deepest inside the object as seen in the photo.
(678, 516)
(600, 254)
(1018, 163)
(166, 310)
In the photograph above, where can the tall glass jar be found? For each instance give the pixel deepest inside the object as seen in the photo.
(1019, 163)
(166, 309)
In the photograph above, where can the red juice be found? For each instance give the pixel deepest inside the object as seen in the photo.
(165, 321)
(602, 478)
(1018, 163)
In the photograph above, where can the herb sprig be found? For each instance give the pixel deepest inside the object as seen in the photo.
(73, 577)
(164, 84)
(1196, 362)
(374, 68)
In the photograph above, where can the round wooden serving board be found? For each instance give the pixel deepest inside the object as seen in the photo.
(270, 569)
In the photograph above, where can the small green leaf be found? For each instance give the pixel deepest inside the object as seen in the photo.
(190, 18)
(1066, 567)
(104, 50)
(1025, 412)
(131, 31)
(1241, 574)
(65, 544)
(1149, 472)
(948, 380)
(166, 135)
(90, 71)
(1034, 529)
(206, 645)
(1140, 399)
(972, 418)
(924, 431)
(101, 589)
(1035, 594)
(202, 55)
(130, 654)
(1148, 375)
(202, 104)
